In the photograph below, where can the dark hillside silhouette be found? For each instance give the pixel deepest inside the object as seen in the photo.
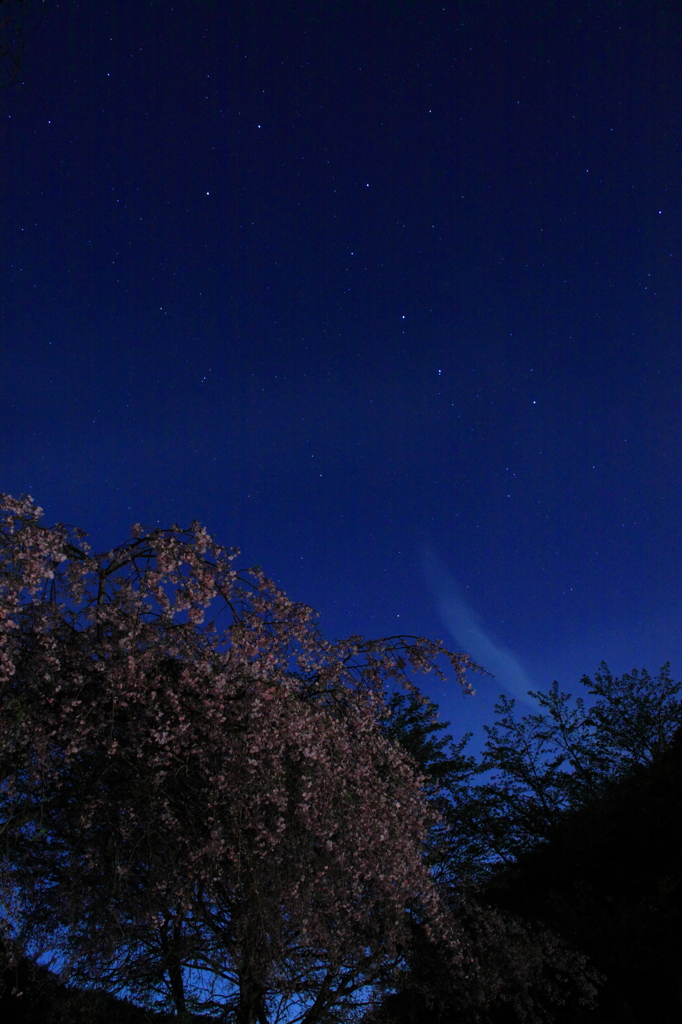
(31, 994)
(609, 882)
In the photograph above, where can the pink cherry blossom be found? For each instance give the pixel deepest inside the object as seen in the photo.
(200, 792)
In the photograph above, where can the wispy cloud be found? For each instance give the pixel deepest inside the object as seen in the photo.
(469, 632)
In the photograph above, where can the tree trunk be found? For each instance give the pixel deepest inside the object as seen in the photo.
(251, 1009)
(171, 945)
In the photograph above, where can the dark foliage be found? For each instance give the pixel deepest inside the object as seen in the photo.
(513, 970)
(609, 880)
(584, 819)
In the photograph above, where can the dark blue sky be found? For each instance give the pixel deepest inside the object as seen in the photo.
(385, 294)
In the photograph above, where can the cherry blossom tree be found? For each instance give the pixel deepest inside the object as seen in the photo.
(210, 817)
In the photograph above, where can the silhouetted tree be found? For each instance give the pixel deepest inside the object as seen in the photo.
(575, 840)
(609, 879)
(540, 766)
(18, 19)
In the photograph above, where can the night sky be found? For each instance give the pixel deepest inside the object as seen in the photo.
(387, 294)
